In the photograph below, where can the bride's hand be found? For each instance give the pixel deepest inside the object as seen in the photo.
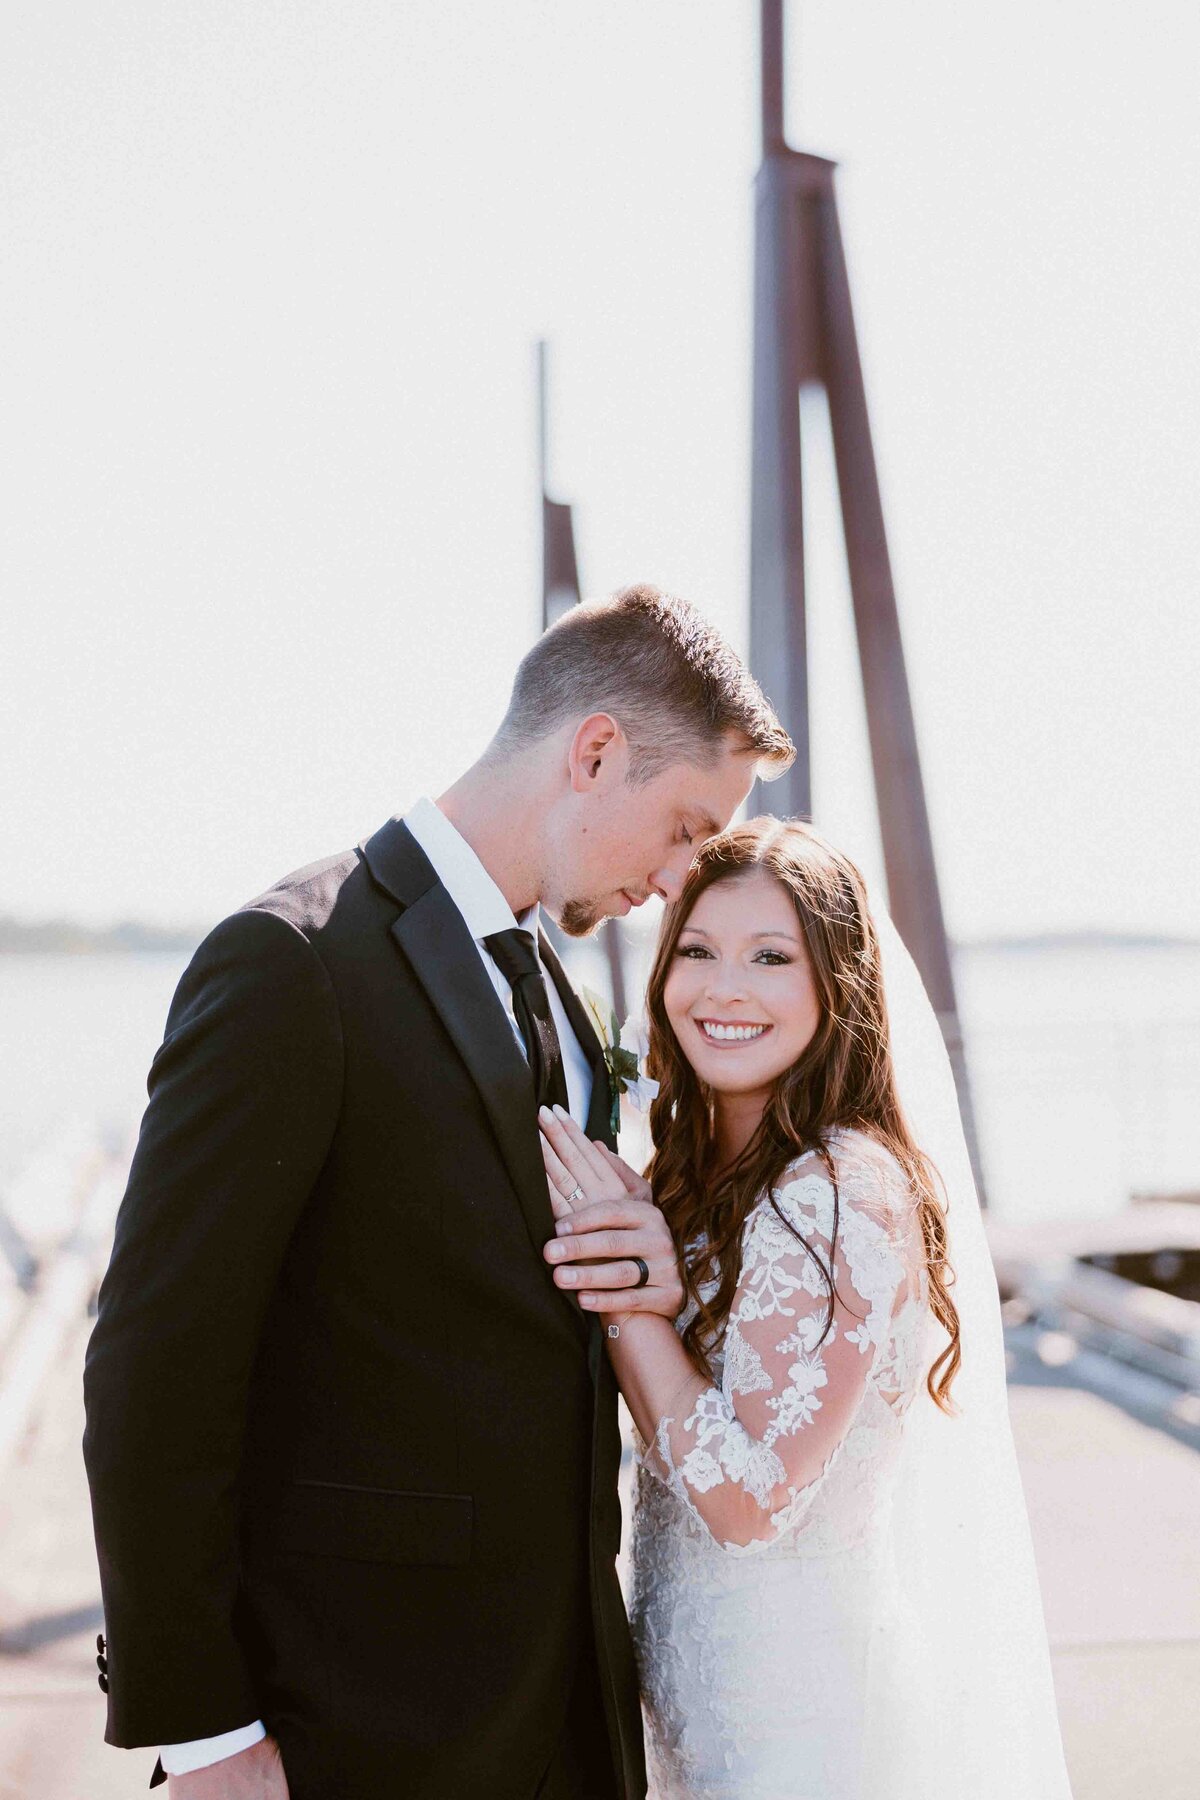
(606, 1216)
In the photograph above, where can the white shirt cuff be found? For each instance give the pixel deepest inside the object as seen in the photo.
(179, 1759)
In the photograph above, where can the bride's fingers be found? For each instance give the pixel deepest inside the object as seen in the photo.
(570, 1133)
(566, 1194)
(560, 1208)
(575, 1154)
(631, 1181)
(561, 1182)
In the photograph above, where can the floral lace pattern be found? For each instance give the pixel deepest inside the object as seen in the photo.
(760, 1548)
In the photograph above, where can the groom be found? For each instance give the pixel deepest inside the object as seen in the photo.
(352, 1454)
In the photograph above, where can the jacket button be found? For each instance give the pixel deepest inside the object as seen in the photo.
(102, 1664)
(100, 1645)
(103, 1683)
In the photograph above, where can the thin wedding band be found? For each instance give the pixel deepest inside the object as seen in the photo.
(644, 1277)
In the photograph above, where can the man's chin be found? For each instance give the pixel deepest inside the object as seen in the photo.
(581, 918)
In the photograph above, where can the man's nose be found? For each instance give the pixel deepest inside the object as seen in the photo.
(667, 884)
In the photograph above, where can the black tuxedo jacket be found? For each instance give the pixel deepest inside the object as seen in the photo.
(352, 1455)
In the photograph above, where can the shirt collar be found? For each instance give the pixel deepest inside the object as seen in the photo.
(464, 877)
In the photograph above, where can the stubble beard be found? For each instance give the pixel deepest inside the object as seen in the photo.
(580, 918)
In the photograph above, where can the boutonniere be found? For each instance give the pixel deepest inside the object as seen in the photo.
(625, 1050)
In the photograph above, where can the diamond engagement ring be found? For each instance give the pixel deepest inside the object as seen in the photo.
(576, 1195)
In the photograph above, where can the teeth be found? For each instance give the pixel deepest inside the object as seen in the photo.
(737, 1034)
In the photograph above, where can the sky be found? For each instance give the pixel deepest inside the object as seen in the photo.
(271, 279)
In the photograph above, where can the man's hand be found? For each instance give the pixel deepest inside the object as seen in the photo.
(606, 1216)
(252, 1774)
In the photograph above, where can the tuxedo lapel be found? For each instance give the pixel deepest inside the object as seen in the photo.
(444, 959)
(599, 1118)
(434, 939)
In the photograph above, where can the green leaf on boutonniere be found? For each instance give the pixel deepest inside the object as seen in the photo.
(623, 1065)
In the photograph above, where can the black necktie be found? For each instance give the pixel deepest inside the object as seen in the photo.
(515, 954)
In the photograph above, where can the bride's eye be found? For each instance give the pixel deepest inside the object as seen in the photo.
(692, 951)
(776, 957)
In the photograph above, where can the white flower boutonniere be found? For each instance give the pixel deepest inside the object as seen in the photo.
(625, 1049)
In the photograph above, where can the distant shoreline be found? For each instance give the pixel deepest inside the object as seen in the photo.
(1082, 940)
(65, 937)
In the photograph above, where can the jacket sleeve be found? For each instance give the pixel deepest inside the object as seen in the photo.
(244, 1096)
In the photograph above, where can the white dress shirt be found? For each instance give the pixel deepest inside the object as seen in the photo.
(485, 911)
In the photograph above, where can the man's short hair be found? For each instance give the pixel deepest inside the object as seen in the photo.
(667, 677)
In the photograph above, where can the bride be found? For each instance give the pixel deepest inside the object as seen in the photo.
(833, 1594)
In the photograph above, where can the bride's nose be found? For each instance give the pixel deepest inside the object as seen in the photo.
(725, 983)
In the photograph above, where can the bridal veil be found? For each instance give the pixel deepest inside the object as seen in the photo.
(986, 1727)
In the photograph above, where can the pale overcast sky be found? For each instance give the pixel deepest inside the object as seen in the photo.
(269, 540)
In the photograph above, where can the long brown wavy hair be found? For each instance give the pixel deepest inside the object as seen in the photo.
(844, 1077)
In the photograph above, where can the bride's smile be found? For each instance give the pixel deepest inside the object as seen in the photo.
(718, 1032)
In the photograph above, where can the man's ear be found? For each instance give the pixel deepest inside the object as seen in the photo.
(596, 749)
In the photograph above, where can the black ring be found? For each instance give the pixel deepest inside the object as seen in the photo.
(644, 1277)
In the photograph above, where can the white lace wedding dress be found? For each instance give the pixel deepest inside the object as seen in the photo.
(776, 1659)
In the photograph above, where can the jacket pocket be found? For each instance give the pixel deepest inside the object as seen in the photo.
(366, 1524)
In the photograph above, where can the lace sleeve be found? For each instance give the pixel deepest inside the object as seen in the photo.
(748, 1457)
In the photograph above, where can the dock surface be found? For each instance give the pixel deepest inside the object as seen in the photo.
(1114, 1502)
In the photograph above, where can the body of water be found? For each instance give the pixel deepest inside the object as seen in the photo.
(1085, 1063)
(1085, 1068)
